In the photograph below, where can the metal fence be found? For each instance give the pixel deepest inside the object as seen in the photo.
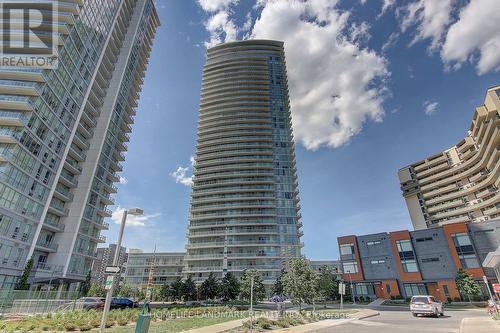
(27, 302)
(23, 307)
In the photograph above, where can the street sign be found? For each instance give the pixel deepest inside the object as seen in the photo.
(341, 288)
(109, 282)
(496, 288)
(112, 270)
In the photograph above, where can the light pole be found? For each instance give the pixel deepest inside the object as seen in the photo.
(109, 294)
(352, 290)
(251, 303)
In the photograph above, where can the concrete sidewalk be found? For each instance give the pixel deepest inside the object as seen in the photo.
(479, 325)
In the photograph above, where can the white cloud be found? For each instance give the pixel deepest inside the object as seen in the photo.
(123, 180)
(219, 25)
(431, 18)
(386, 5)
(183, 175)
(476, 31)
(215, 5)
(132, 220)
(430, 107)
(335, 85)
(391, 41)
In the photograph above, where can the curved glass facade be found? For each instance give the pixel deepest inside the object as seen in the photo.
(245, 205)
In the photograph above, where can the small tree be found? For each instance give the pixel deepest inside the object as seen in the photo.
(301, 282)
(229, 287)
(165, 292)
(259, 291)
(328, 286)
(97, 290)
(23, 282)
(466, 284)
(189, 289)
(209, 289)
(126, 291)
(278, 285)
(176, 289)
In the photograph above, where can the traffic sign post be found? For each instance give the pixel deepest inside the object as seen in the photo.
(112, 270)
(109, 282)
(342, 293)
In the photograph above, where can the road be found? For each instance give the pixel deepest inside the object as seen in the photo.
(401, 321)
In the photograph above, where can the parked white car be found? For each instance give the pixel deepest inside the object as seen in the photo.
(426, 305)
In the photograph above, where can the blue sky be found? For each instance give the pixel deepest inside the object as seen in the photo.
(375, 85)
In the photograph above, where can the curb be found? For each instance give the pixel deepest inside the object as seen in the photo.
(369, 315)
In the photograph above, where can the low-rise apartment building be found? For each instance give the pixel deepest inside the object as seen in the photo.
(335, 266)
(405, 263)
(459, 184)
(167, 267)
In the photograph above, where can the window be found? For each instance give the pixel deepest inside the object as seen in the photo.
(407, 256)
(465, 250)
(364, 289)
(350, 267)
(412, 289)
(446, 291)
(430, 259)
(375, 262)
(370, 243)
(423, 239)
(347, 249)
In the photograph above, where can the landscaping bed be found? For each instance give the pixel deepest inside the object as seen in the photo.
(291, 319)
(122, 321)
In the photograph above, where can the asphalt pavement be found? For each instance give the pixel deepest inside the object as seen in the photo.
(401, 321)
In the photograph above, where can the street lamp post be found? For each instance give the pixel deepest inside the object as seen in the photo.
(109, 294)
(352, 290)
(251, 303)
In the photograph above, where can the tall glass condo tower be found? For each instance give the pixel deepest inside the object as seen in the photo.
(245, 205)
(63, 131)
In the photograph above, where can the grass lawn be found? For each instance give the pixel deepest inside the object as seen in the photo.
(173, 325)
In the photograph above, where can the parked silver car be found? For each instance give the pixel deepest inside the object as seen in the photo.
(426, 305)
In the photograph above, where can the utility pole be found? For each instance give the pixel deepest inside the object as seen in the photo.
(109, 294)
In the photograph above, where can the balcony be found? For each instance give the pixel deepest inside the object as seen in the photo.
(104, 212)
(47, 246)
(77, 153)
(67, 180)
(53, 226)
(58, 210)
(72, 167)
(63, 194)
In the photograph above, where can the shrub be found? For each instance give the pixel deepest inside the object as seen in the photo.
(109, 323)
(283, 323)
(85, 326)
(69, 325)
(263, 323)
(122, 320)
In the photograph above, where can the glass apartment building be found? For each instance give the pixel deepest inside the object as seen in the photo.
(167, 267)
(459, 184)
(245, 205)
(63, 134)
